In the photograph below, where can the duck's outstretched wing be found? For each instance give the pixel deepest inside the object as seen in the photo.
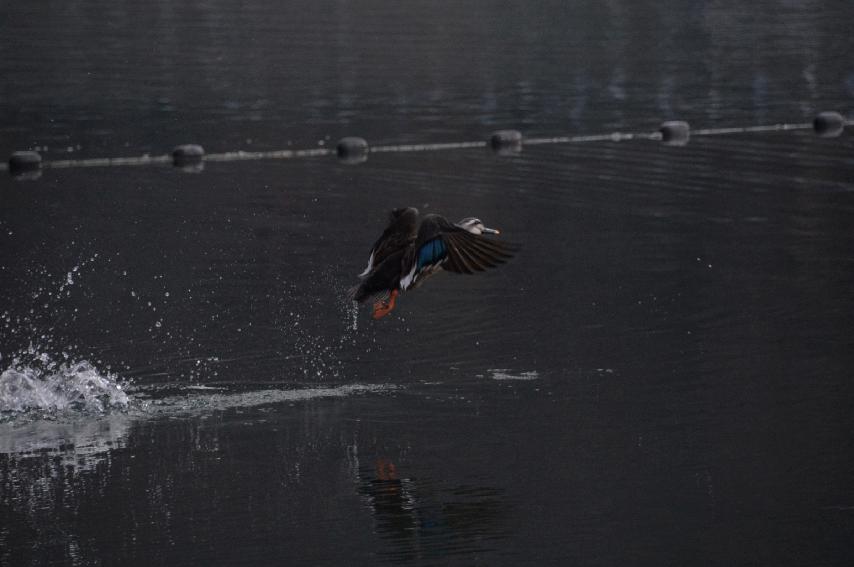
(402, 230)
(469, 253)
(441, 244)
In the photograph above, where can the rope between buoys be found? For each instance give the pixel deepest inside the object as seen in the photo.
(241, 155)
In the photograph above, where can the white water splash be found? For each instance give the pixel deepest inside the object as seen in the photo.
(321, 349)
(52, 387)
(352, 310)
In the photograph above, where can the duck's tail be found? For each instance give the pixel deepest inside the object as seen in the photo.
(380, 282)
(362, 293)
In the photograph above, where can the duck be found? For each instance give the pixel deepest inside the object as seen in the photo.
(414, 247)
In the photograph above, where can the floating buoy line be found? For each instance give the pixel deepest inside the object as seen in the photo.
(353, 150)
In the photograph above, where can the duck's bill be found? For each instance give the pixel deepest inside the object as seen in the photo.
(491, 230)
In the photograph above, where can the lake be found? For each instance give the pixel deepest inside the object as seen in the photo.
(660, 376)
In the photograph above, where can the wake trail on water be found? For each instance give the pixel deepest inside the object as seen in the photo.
(74, 389)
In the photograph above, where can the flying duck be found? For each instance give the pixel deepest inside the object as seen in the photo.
(414, 247)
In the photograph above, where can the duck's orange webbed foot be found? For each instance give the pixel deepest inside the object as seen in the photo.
(383, 308)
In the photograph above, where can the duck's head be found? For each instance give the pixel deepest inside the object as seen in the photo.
(475, 226)
(405, 212)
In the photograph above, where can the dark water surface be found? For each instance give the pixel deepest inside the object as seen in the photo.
(662, 376)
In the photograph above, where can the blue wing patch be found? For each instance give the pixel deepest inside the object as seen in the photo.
(431, 252)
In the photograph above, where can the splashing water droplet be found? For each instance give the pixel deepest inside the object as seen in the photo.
(59, 387)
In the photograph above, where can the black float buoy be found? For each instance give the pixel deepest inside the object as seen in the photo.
(828, 124)
(188, 156)
(352, 149)
(25, 164)
(675, 132)
(506, 141)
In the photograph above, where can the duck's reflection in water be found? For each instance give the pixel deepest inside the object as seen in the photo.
(421, 520)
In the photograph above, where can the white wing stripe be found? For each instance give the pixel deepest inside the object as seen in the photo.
(370, 266)
(407, 281)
